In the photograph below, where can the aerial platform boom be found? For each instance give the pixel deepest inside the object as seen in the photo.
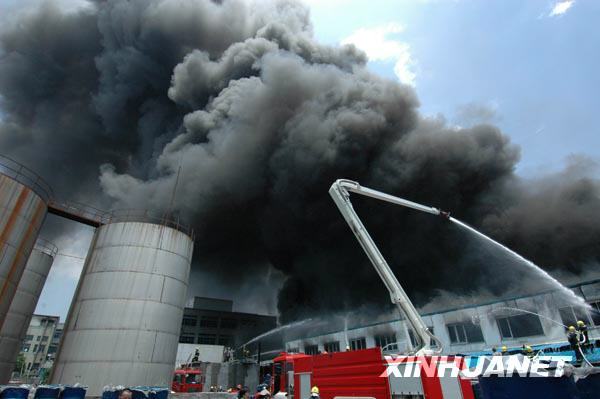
(340, 192)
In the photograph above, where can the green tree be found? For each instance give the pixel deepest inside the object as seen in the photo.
(20, 362)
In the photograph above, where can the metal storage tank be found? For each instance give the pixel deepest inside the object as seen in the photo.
(124, 323)
(23, 305)
(23, 206)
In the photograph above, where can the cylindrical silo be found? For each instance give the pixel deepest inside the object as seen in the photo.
(23, 206)
(124, 323)
(23, 305)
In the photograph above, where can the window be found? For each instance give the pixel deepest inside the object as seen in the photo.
(311, 349)
(35, 366)
(225, 340)
(29, 338)
(35, 348)
(207, 339)
(38, 338)
(42, 348)
(462, 333)
(332, 346)
(432, 342)
(358, 343)
(523, 325)
(413, 339)
(189, 321)
(292, 350)
(386, 342)
(249, 323)
(570, 315)
(186, 339)
(209, 322)
(52, 349)
(26, 348)
(595, 312)
(45, 338)
(416, 342)
(229, 324)
(57, 335)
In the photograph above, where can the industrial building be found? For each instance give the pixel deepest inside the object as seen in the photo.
(213, 322)
(470, 329)
(37, 348)
(19, 317)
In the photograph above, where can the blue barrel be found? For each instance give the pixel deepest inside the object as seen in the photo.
(46, 392)
(111, 394)
(73, 393)
(589, 387)
(138, 393)
(158, 393)
(14, 393)
(517, 387)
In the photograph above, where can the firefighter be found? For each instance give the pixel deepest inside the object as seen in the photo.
(314, 392)
(243, 393)
(495, 352)
(584, 338)
(573, 338)
(504, 351)
(528, 351)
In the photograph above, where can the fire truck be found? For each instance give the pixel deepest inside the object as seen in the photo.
(363, 373)
(187, 379)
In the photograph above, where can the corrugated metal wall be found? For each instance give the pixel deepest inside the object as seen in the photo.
(123, 326)
(22, 212)
(23, 305)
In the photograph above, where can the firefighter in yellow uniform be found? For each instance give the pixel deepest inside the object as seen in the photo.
(314, 392)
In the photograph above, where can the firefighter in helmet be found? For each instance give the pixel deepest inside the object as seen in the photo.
(504, 350)
(314, 392)
(584, 338)
(573, 338)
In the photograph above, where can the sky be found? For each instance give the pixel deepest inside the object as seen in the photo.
(529, 67)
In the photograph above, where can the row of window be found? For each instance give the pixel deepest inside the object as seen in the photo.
(215, 322)
(355, 344)
(42, 338)
(525, 325)
(207, 339)
(36, 348)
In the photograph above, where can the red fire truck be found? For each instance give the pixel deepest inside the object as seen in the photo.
(187, 379)
(362, 374)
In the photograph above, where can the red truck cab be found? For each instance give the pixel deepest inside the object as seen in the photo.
(187, 380)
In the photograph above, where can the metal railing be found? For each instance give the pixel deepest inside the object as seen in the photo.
(26, 176)
(146, 216)
(46, 247)
(96, 217)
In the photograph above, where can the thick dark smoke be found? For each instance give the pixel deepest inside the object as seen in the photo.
(261, 119)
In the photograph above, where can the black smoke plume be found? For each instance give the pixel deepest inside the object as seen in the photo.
(261, 119)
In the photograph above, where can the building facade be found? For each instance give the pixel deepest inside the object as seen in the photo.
(213, 322)
(39, 348)
(530, 320)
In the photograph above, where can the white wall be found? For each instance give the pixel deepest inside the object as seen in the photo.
(208, 353)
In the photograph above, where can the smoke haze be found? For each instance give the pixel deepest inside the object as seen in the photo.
(108, 102)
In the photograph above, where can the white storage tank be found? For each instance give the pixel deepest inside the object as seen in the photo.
(124, 323)
(23, 207)
(23, 305)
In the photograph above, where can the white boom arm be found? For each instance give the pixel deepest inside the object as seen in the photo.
(340, 192)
